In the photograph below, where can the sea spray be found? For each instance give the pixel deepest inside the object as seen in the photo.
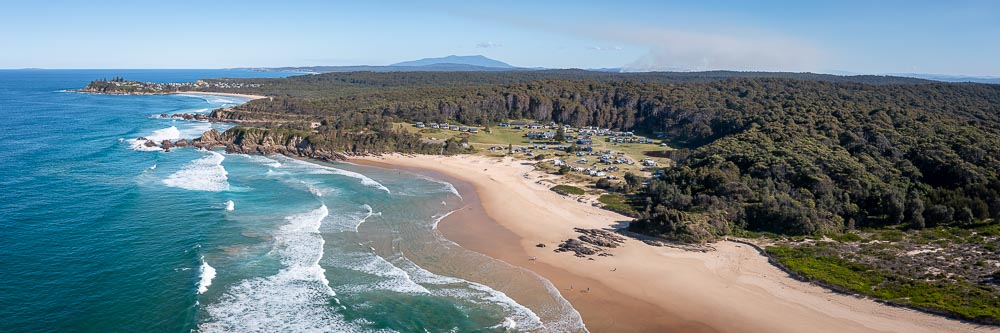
(203, 174)
(447, 186)
(230, 206)
(370, 213)
(317, 169)
(296, 299)
(169, 133)
(479, 294)
(207, 274)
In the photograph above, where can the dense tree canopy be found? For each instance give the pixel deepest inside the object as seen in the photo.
(800, 155)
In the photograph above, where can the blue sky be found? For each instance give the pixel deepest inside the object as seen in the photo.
(940, 37)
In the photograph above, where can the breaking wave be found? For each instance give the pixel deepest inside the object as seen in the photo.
(170, 133)
(316, 169)
(207, 274)
(296, 299)
(203, 174)
(349, 222)
(437, 219)
(478, 294)
(263, 160)
(447, 186)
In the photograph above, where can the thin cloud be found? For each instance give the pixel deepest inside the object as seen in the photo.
(487, 45)
(604, 48)
(673, 49)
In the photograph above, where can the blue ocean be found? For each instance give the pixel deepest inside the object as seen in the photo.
(99, 234)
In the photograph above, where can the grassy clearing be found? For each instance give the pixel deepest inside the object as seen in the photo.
(568, 190)
(617, 203)
(500, 136)
(960, 298)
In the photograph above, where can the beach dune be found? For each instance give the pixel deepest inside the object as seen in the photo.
(643, 288)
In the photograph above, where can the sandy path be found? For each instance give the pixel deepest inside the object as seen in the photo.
(644, 288)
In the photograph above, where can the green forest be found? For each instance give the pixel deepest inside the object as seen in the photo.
(784, 155)
(848, 174)
(793, 153)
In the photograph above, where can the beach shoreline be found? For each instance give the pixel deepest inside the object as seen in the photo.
(248, 96)
(643, 288)
(251, 97)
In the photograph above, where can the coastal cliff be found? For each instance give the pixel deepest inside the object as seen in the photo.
(243, 140)
(120, 86)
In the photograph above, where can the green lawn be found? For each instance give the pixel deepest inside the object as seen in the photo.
(617, 203)
(568, 190)
(500, 136)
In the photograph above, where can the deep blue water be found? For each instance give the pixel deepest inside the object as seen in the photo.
(97, 236)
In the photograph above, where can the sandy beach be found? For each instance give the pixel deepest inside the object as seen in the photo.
(644, 288)
(217, 94)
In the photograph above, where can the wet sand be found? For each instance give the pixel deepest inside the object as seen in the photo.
(642, 288)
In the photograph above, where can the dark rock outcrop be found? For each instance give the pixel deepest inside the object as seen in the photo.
(190, 116)
(578, 247)
(208, 140)
(166, 145)
(261, 141)
(602, 238)
(591, 242)
(181, 143)
(149, 143)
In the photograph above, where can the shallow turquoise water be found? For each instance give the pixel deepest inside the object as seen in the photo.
(97, 236)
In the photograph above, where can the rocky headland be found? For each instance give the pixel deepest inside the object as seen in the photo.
(252, 141)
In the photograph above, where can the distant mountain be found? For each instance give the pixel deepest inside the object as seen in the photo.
(452, 63)
(474, 60)
(426, 68)
(953, 78)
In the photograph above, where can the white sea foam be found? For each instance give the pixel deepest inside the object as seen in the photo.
(447, 186)
(169, 133)
(203, 174)
(296, 299)
(438, 219)
(191, 130)
(217, 99)
(207, 274)
(316, 169)
(316, 190)
(272, 173)
(367, 215)
(509, 324)
(569, 319)
(350, 221)
(389, 276)
(263, 160)
(230, 205)
(476, 293)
